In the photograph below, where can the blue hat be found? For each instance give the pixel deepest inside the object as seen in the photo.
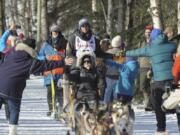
(83, 21)
(155, 33)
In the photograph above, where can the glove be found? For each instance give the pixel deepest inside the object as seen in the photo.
(120, 53)
(75, 71)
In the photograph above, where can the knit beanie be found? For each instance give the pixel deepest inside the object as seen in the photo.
(155, 33)
(83, 21)
(116, 41)
(55, 28)
(30, 42)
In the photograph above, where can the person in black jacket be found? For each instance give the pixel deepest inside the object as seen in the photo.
(82, 40)
(86, 77)
(15, 70)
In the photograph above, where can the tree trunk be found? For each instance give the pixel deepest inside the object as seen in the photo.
(38, 24)
(27, 18)
(128, 14)
(44, 25)
(154, 10)
(95, 19)
(121, 16)
(94, 6)
(34, 16)
(2, 17)
(178, 10)
(109, 20)
(22, 14)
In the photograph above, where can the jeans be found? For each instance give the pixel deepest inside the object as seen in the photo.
(109, 93)
(14, 109)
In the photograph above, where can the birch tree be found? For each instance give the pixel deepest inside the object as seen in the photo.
(38, 38)
(154, 10)
(109, 21)
(44, 26)
(94, 11)
(121, 16)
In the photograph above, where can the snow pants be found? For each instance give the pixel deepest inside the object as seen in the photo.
(58, 96)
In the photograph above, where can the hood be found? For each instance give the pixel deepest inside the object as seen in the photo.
(23, 47)
(86, 53)
(84, 36)
(160, 39)
(19, 56)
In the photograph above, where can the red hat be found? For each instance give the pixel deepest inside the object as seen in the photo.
(149, 27)
(21, 36)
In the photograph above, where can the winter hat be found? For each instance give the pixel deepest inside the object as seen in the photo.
(55, 28)
(149, 27)
(83, 21)
(13, 33)
(21, 36)
(30, 42)
(116, 41)
(155, 33)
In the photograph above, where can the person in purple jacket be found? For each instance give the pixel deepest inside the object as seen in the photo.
(19, 63)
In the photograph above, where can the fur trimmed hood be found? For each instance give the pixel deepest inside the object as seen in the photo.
(86, 53)
(27, 49)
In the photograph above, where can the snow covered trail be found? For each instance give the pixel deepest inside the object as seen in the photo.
(145, 123)
(33, 119)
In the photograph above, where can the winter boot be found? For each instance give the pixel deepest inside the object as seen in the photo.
(12, 129)
(161, 133)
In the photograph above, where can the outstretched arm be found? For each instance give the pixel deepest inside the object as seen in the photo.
(140, 52)
(3, 40)
(113, 63)
(39, 66)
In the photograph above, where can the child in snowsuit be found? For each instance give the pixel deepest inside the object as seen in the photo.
(124, 87)
(112, 73)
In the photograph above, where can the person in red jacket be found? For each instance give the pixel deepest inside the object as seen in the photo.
(176, 66)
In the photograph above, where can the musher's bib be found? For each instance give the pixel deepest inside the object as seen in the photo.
(81, 45)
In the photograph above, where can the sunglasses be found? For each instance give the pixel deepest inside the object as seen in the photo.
(87, 61)
(85, 25)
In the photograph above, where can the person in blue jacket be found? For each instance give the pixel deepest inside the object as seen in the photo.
(160, 52)
(9, 35)
(53, 49)
(124, 87)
